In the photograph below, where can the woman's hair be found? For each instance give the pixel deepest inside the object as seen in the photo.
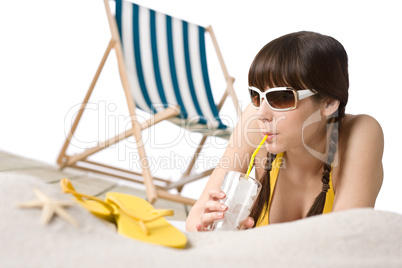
(303, 60)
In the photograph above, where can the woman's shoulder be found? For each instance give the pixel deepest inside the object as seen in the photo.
(360, 123)
(360, 118)
(361, 146)
(361, 130)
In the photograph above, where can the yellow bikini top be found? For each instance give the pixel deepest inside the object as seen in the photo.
(329, 201)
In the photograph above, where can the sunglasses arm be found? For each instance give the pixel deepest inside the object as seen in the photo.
(305, 93)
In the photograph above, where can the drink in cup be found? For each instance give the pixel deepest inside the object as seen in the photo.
(241, 192)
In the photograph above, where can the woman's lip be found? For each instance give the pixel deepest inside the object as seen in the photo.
(270, 135)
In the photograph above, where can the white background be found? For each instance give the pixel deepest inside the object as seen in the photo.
(49, 52)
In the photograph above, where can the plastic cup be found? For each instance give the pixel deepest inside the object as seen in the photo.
(241, 192)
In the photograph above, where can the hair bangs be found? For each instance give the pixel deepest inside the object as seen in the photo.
(278, 64)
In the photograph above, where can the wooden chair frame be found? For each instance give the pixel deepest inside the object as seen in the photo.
(153, 192)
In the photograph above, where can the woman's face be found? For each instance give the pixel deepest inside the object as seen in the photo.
(291, 129)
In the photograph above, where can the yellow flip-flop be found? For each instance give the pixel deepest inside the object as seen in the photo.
(140, 220)
(134, 216)
(96, 206)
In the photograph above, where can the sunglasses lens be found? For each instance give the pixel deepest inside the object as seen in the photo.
(255, 97)
(281, 99)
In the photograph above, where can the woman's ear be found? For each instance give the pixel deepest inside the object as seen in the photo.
(330, 107)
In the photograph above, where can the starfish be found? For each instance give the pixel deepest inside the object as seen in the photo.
(49, 208)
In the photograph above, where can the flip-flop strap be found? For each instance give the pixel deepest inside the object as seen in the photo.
(159, 213)
(79, 196)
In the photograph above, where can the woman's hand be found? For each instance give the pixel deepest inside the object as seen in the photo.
(213, 210)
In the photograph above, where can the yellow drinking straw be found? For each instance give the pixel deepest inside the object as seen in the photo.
(255, 152)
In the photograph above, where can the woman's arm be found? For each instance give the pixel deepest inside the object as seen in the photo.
(360, 175)
(241, 145)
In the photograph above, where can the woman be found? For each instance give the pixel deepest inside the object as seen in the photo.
(316, 159)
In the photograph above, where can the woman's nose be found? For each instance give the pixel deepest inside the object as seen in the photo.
(265, 112)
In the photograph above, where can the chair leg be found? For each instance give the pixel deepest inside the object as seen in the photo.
(148, 180)
(61, 159)
(150, 188)
(222, 101)
(229, 79)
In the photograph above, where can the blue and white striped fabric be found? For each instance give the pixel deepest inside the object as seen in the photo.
(166, 62)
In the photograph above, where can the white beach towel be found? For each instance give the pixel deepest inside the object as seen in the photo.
(354, 238)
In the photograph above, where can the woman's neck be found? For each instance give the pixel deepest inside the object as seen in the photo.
(296, 160)
(308, 159)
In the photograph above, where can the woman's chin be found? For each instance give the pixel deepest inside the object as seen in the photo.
(273, 148)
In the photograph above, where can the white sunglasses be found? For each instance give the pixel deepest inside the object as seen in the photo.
(279, 98)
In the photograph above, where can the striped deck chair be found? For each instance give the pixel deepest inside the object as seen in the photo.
(163, 69)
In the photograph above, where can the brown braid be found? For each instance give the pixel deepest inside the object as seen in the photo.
(319, 203)
(263, 199)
